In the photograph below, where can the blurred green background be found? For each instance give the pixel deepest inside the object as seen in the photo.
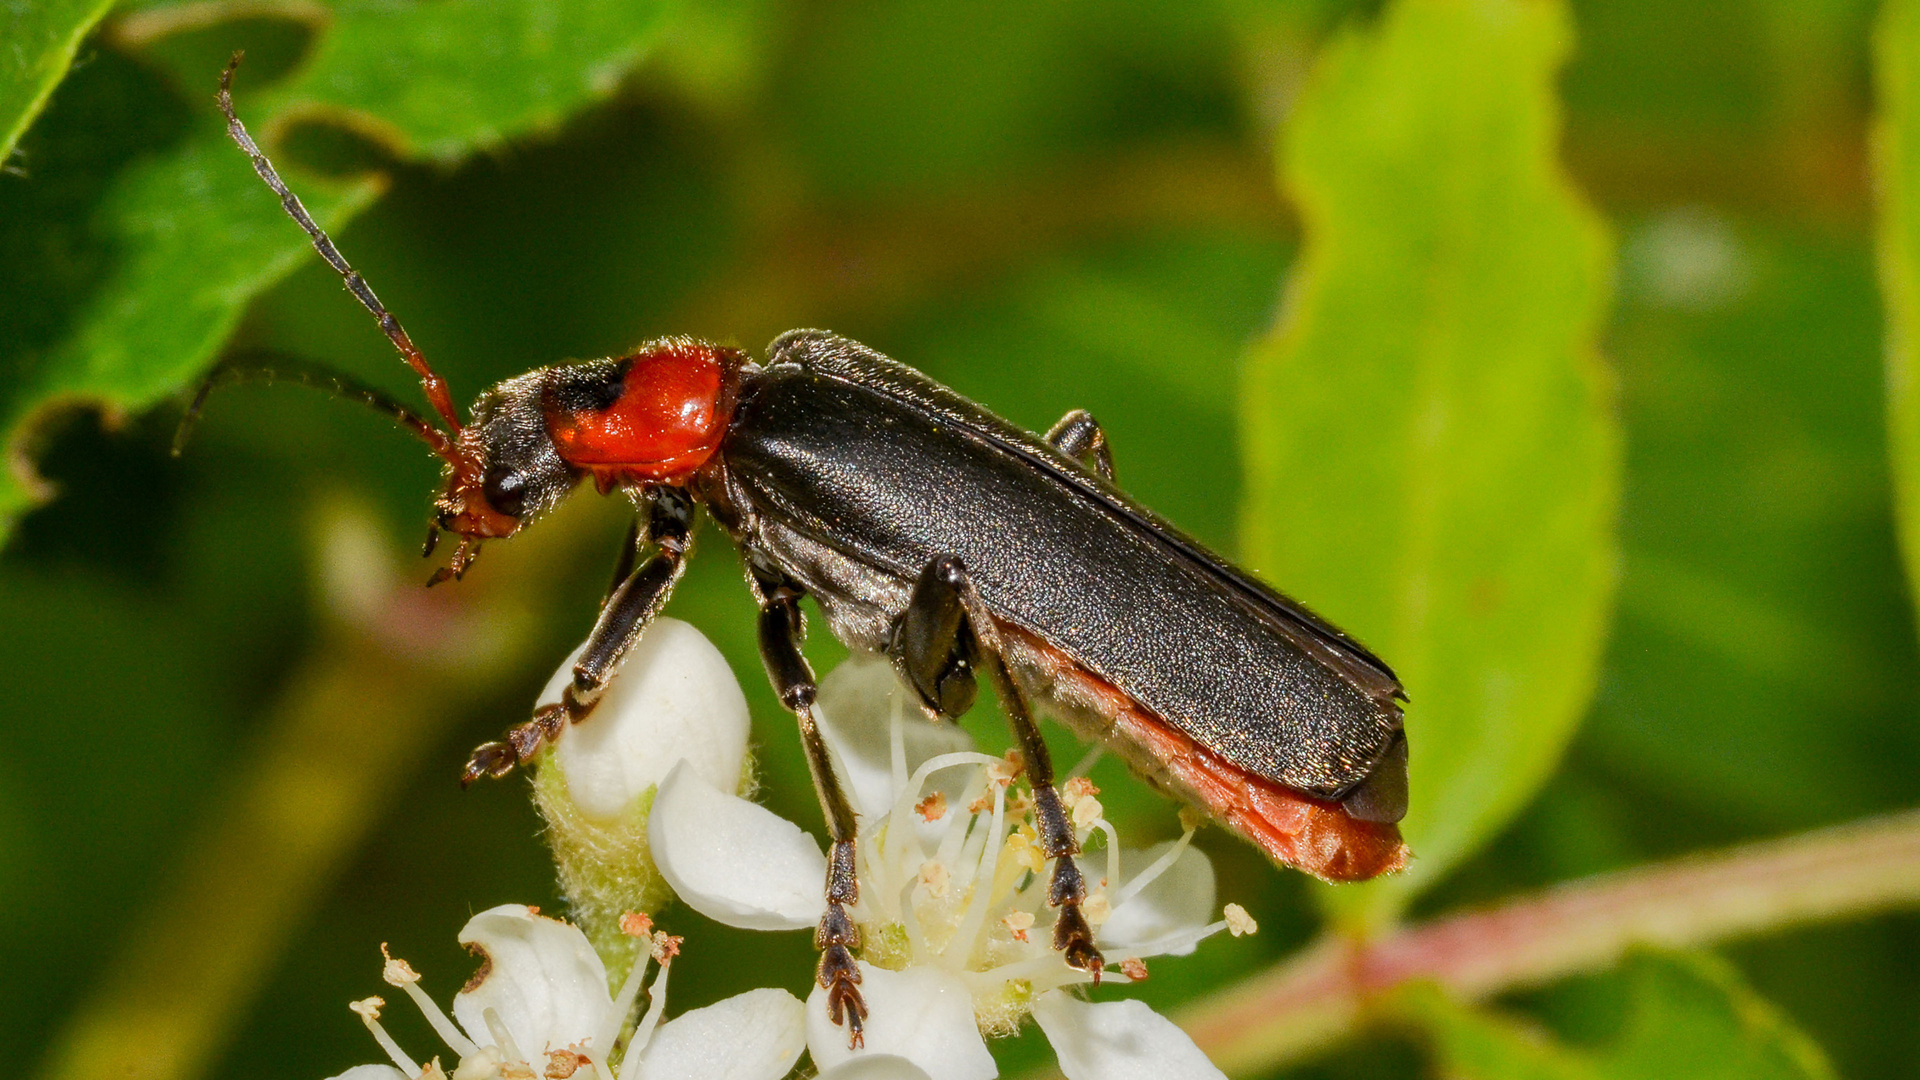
(1048, 206)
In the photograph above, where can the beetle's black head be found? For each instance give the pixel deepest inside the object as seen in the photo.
(503, 471)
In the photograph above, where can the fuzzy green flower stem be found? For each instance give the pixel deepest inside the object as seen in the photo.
(605, 868)
(1322, 993)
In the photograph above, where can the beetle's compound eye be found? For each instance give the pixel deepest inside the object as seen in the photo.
(506, 490)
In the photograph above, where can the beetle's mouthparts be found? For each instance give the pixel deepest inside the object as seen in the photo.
(456, 568)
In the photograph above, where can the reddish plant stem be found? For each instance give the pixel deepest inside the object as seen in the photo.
(1322, 992)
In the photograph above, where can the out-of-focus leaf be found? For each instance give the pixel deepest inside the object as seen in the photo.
(1897, 167)
(37, 44)
(1694, 1018)
(717, 52)
(1469, 1043)
(882, 95)
(1144, 335)
(1762, 659)
(194, 239)
(440, 80)
(1691, 1017)
(188, 237)
(1431, 455)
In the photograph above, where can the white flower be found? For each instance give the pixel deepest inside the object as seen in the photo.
(1117, 1040)
(956, 933)
(371, 1072)
(868, 1067)
(699, 835)
(673, 700)
(539, 1007)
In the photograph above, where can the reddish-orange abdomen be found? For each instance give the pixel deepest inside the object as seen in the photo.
(1298, 830)
(665, 419)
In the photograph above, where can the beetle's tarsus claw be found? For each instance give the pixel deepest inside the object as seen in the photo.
(1073, 938)
(1082, 956)
(494, 759)
(848, 1009)
(521, 745)
(845, 1005)
(839, 976)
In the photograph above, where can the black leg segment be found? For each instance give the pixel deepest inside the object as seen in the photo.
(636, 599)
(932, 646)
(1079, 436)
(944, 597)
(782, 629)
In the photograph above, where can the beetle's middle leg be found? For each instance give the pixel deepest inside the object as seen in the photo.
(782, 628)
(636, 598)
(946, 634)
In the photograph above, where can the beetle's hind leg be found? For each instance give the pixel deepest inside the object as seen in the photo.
(1079, 436)
(945, 635)
(636, 598)
(782, 629)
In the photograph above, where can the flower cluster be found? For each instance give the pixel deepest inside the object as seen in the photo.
(954, 923)
(540, 1006)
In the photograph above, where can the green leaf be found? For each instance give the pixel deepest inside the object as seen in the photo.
(1763, 631)
(195, 239)
(182, 239)
(1432, 460)
(1694, 1018)
(1470, 1043)
(440, 80)
(919, 96)
(36, 48)
(1691, 1017)
(1896, 162)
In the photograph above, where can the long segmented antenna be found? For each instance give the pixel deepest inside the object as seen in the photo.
(430, 381)
(272, 366)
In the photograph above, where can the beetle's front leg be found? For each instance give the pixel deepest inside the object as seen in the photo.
(947, 632)
(637, 596)
(782, 628)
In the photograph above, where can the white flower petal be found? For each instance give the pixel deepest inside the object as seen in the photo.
(875, 1067)
(541, 978)
(735, 861)
(1118, 1040)
(855, 710)
(1179, 901)
(674, 697)
(757, 1035)
(372, 1072)
(922, 1014)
